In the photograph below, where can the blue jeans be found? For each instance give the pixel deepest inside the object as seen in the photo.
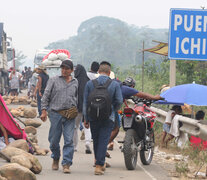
(101, 132)
(39, 103)
(81, 126)
(58, 126)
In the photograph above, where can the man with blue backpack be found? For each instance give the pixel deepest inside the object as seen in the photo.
(102, 98)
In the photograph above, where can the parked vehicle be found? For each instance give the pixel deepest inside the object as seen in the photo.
(139, 137)
(53, 59)
(39, 55)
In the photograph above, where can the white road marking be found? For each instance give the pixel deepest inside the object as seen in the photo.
(150, 175)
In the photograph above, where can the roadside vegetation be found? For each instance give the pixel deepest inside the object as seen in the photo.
(154, 78)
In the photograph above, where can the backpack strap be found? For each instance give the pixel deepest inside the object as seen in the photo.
(107, 83)
(95, 83)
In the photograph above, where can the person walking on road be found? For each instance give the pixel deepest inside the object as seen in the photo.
(93, 73)
(102, 98)
(60, 99)
(81, 76)
(14, 82)
(86, 132)
(41, 85)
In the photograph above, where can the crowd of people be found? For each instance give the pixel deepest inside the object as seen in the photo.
(171, 129)
(18, 80)
(70, 101)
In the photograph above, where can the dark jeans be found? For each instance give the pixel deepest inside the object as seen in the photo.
(39, 103)
(101, 132)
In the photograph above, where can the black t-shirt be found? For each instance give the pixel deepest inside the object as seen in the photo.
(45, 78)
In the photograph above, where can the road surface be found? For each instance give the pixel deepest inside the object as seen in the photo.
(82, 167)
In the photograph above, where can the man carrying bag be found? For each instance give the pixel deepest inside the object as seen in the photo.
(102, 98)
(60, 99)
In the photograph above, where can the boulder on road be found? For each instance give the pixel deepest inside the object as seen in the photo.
(21, 160)
(15, 112)
(32, 122)
(33, 104)
(21, 144)
(39, 151)
(30, 129)
(23, 99)
(21, 108)
(15, 171)
(12, 151)
(30, 113)
(8, 101)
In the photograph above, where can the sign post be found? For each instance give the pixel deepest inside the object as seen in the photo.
(172, 73)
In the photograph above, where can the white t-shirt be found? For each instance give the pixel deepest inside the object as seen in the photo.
(169, 116)
(92, 76)
(15, 80)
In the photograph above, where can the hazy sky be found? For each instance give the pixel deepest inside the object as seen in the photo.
(33, 24)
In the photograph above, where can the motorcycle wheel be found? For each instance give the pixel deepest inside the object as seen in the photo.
(130, 149)
(146, 155)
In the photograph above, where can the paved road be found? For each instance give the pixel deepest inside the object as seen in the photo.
(83, 164)
(82, 167)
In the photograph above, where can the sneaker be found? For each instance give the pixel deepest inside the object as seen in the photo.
(82, 135)
(55, 165)
(88, 151)
(98, 170)
(66, 169)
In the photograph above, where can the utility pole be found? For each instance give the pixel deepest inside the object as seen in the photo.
(143, 67)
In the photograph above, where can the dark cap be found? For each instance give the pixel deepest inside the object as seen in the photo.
(67, 63)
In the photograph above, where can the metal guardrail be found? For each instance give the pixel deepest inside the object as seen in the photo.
(191, 126)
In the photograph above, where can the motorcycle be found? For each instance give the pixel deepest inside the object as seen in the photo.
(138, 123)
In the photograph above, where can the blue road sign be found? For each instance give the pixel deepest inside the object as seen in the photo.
(188, 34)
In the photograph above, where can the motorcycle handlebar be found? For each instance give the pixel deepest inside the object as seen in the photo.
(148, 102)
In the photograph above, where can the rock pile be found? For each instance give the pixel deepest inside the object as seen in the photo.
(23, 165)
(21, 100)
(21, 111)
(16, 171)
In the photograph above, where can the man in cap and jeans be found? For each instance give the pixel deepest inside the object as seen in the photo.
(60, 99)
